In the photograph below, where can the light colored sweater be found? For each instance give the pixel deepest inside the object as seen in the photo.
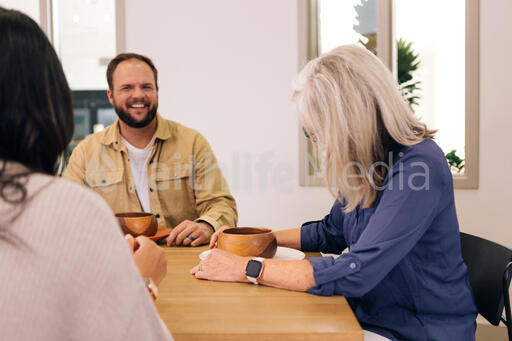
(70, 276)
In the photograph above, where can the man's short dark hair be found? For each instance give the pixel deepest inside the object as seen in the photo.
(127, 56)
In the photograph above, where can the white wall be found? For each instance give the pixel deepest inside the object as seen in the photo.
(487, 210)
(226, 68)
(29, 7)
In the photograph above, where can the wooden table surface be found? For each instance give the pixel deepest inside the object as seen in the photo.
(196, 309)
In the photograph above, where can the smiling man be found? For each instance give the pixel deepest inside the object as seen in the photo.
(144, 162)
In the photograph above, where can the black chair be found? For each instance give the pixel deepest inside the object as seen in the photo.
(490, 266)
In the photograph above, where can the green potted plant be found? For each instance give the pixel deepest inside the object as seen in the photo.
(407, 63)
(455, 162)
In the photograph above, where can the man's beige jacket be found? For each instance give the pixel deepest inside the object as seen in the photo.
(185, 181)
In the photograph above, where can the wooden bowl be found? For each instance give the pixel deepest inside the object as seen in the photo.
(138, 223)
(248, 241)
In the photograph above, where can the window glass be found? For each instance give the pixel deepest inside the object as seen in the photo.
(347, 22)
(439, 80)
(85, 38)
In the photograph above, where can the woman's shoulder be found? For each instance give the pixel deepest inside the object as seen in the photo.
(65, 192)
(68, 202)
(424, 160)
(427, 150)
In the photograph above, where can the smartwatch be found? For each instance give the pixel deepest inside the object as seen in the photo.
(254, 269)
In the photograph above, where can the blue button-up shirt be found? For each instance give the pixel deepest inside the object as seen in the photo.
(403, 274)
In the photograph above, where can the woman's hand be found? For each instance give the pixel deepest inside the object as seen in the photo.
(215, 236)
(148, 257)
(222, 266)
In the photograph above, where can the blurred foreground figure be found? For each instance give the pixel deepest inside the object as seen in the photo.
(67, 273)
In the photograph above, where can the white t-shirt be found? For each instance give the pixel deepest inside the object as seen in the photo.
(139, 159)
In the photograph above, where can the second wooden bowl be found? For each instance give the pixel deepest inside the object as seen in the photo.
(248, 241)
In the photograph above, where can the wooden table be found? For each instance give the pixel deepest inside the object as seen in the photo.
(196, 309)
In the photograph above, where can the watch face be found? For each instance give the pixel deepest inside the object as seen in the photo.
(253, 268)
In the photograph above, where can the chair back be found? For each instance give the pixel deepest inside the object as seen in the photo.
(489, 274)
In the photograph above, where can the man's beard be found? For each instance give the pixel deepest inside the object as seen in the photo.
(130, 121)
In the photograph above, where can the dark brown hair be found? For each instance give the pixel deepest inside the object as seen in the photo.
(127, 56)
(36, 108)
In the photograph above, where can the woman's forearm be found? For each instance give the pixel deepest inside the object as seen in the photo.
(289, 238)
(223, 266)
(294, 275)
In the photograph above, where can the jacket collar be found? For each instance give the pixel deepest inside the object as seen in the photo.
(113, 136)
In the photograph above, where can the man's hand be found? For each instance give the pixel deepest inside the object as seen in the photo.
(148, 257)
(190, 233)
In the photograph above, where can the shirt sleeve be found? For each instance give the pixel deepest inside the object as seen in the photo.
(214, 203)
(325, 235)
(408, 205)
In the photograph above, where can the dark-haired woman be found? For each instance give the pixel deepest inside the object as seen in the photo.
(66, 270)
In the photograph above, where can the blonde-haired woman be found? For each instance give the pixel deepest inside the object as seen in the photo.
(403, 274)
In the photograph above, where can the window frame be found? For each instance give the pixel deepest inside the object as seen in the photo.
(46, 22)
(308, 48)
